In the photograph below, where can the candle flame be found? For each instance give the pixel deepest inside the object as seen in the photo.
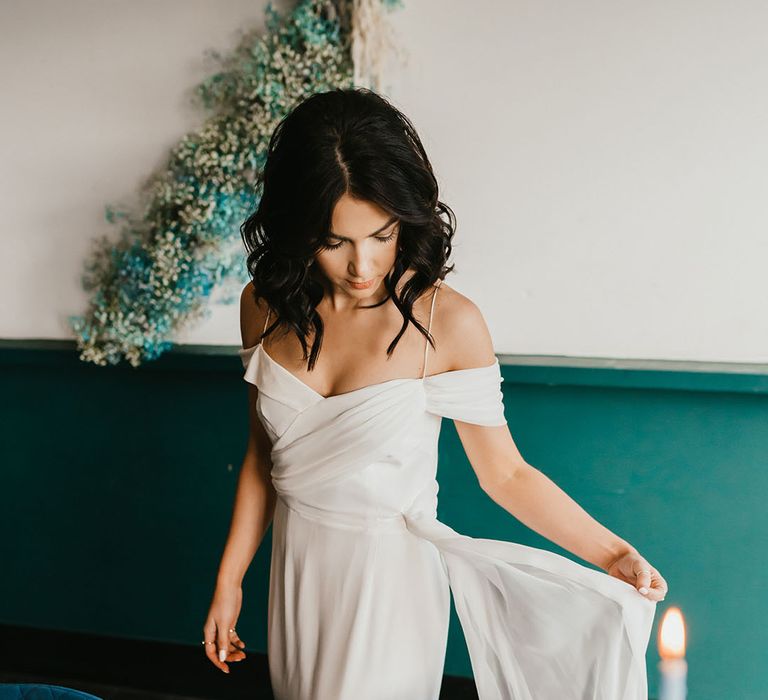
(672, 635)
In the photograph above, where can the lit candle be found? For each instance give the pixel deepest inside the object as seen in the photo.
(673, 666)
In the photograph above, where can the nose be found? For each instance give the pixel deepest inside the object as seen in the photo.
(361, 265)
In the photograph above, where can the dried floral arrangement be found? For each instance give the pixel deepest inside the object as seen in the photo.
(185, 244)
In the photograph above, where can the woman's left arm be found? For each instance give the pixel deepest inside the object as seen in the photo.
(535, 500)
(515, 485)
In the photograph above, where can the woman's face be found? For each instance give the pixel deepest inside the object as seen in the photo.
(365, 243)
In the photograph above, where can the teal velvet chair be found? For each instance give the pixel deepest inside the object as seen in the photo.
(40, 691)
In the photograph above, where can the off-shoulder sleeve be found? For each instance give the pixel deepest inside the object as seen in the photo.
(248, 357)
(246, 354)
(469, 395)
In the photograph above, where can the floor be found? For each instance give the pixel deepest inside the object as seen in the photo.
(133, 669)
(113, 692)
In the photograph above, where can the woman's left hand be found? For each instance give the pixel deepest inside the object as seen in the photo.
(635, 569)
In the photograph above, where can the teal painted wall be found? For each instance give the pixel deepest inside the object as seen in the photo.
(117, 487)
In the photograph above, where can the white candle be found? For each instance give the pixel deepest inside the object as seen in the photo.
(673, 667)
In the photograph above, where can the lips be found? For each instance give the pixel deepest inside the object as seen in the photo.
(361, 285)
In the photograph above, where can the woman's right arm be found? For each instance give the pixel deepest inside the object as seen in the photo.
(254, 507)
(254, 504)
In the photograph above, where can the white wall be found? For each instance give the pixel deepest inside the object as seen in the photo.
(605, 159)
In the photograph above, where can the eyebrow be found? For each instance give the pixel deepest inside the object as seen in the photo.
(343, 238)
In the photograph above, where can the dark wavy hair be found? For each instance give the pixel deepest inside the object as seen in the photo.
(353, 141)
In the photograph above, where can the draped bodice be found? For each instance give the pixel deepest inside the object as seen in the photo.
(368, 451)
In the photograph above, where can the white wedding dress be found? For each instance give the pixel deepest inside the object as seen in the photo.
(362, 569)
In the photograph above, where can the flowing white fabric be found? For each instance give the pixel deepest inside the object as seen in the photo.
(362, 570)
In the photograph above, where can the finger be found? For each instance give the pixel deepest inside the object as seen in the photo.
(222, 643)
(236, 655)
(209, 632)
(235, 639)
(659, 586)
(643, 579)
(655, 595)
(236, 647)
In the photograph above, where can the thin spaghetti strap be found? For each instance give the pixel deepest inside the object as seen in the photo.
(265, 323)
(429, 327)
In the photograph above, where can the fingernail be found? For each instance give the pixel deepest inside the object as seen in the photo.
(643, 590)
(222, 654)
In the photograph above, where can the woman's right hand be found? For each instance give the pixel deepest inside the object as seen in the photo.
(220, 627)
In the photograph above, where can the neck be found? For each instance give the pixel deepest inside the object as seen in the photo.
(341, 301)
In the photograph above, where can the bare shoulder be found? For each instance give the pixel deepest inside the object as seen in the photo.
(253, 314)
(460, 331)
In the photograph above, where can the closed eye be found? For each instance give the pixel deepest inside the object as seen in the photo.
(381, 239)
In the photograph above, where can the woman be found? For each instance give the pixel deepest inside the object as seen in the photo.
(348, 248)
